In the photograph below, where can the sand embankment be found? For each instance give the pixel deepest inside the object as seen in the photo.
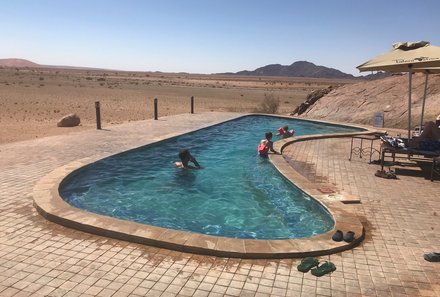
(357, 103)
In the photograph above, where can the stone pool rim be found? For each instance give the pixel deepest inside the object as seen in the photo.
(52, 206)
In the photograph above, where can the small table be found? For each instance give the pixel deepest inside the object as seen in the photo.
(364, 151)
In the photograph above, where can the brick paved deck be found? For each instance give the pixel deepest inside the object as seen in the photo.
(40, 258)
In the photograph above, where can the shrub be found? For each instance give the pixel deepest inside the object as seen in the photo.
(270, 104)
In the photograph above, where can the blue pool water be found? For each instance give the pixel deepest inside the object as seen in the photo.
(237, 194)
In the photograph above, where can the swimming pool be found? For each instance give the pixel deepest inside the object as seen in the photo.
(236, 195)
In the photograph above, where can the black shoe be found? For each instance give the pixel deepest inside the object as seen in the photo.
(337, 236)
(432, 257)
(349, 236)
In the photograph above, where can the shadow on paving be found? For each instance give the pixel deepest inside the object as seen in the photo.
(419, 169)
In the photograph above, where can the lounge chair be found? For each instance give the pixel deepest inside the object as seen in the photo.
(395, 147)
(435, 167)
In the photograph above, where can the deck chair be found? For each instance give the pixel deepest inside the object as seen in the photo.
(435, 167)
(393, 149)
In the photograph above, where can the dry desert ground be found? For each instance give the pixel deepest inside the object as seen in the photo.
(32, 100)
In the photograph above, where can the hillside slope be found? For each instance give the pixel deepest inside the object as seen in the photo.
(357, 103)
(17, 63)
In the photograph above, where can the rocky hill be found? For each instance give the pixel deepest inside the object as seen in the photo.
(306, 69)
(297, 69)
(23, 63)
(357, 103)
(17, 63)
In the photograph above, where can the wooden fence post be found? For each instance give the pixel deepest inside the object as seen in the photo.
(155, 108)
(98, 115)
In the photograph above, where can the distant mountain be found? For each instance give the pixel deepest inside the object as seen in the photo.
(297, 69)
(22, 63)
(17, 63)
(305, 69)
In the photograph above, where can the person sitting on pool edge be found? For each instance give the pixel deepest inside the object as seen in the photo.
(186, 157)
(266, 145)
(284, 131)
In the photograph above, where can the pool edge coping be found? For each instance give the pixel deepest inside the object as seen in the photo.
(50, 205)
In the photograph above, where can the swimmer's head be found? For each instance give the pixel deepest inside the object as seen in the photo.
(268, 135)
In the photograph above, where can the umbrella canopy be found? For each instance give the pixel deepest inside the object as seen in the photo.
(404, 56)
(427, 70)
(408, 57)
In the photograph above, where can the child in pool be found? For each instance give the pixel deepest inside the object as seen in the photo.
(284, 131)
(266, 146)
(186, 157)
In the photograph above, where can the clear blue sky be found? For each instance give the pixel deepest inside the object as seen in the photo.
(209, 36)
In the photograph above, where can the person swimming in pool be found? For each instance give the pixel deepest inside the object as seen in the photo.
(186, 157)
(266, 145)
(284, 131)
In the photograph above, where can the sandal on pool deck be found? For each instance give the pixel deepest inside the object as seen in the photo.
(432, 257)
(307, 264)
(337, 236)
(349, 236)
(384, 174)
(327, 267)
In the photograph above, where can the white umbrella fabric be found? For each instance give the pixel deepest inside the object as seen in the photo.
(408, 57)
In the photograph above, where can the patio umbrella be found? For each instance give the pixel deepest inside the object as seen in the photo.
(408, 57)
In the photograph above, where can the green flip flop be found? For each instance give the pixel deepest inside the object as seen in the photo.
(307, 264)
(327, 267)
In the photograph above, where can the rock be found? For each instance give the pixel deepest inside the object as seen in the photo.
(311, 99)
(70, 120)
(358, 102)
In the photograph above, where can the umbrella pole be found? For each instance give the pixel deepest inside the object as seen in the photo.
(409, 102)
(424, 98)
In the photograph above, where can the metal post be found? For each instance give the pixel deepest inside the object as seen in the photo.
(409, 102)
(155, 108)
(192, 104)
(424, 99)
(98, 115)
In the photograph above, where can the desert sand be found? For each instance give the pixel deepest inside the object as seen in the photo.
(32, 100)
